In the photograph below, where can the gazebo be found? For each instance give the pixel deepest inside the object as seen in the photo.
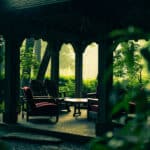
(78, 22)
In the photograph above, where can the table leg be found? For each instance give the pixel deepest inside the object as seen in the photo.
(77, 111)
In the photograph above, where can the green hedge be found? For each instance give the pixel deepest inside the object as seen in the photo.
(67, 83)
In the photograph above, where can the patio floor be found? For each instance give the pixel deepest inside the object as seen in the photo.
(67, 126)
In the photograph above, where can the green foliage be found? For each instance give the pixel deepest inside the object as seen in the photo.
(67, 84)
(67, 59)
(4, 146)
(2, 59)
(127, 62)
(135, 135)
(28, 60)
(123, 34)
(89, 86)
(2, 107)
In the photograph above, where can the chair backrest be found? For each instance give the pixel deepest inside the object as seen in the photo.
(51, 87)
(28, 95)
(38, 88)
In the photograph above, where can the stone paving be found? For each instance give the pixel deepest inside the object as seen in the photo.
(75, 129)
(66, 124)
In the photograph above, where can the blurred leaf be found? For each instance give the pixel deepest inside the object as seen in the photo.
(4, 146)
(146, 54)
(125, 32)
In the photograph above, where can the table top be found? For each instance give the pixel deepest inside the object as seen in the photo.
(76, 100)
(93, 99)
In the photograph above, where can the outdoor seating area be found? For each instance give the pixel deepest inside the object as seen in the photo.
(67, 124)
(38, 106)
(41, 99)
(93, 106)
(78, 121)
(77, 68)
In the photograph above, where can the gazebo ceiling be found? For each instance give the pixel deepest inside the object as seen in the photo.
(73, 19)
(23, 4)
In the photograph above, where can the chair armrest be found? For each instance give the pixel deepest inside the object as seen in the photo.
(44, 99)
(92, 101)
(92, 95)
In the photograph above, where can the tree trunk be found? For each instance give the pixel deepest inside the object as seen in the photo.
(2, 50)
(37, 51)
(29, 46)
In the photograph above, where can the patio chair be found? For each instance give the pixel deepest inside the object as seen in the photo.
(38, 88)
(52, 91)
(39, 106)
(93, 109)
(48, 88)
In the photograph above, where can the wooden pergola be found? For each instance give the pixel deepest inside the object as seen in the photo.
(78, 22)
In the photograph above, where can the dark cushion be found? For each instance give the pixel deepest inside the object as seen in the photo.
(43, 104)
(94, 108)
(44, 108)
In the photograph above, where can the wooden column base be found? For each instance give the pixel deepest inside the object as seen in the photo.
(8, 118)
(102, 128)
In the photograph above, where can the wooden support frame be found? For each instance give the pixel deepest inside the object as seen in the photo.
(105, 80)
(12, 78)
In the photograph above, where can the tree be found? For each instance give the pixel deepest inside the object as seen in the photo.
(127, 62)
(67, 58)
(135, 134)
(2, 49)
(28, 60)
(37, 53)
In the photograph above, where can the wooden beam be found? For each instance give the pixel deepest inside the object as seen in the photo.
(45, 62)
(55, 64)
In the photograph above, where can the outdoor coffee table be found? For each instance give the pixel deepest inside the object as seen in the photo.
(76, 102)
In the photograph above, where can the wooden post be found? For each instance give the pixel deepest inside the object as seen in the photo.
(55, 64)
(12, 78)
(105, 78)
(79, 49)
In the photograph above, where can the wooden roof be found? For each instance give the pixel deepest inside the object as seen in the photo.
(22, 4)
(74, 18)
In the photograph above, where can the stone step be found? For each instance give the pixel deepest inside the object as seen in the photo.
(37, 138)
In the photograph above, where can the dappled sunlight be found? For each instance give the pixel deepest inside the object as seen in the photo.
(90, 62)
(67, 60)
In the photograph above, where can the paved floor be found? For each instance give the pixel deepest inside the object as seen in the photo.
(12, 140)
(79, 129)
(67, 124)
